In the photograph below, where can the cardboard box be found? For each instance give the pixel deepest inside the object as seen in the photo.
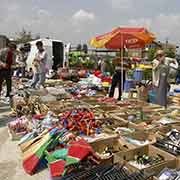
(117, 144)
(143, 136)
(124, 157)
(115, 123)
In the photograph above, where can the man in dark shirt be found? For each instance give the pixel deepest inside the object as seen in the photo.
(7, 61)
(119, 76)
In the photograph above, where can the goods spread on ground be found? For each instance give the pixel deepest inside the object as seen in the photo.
(78, 133)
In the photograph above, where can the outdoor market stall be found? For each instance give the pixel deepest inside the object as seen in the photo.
(72, 133)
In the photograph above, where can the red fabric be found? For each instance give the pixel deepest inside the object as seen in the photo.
(30, 164)
(57, 168)
(9, 59)
(80, 149)
(107, 79)
(38, 116)
(97, 73)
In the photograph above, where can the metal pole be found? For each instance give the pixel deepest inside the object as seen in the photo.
(122, 83)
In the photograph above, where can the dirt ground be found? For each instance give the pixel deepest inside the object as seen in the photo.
(10, 157)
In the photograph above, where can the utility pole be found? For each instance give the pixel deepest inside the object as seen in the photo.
(166, 44)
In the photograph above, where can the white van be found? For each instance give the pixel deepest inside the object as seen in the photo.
(55, 52)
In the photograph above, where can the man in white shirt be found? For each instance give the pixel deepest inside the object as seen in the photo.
(161, 64)
(39, 68)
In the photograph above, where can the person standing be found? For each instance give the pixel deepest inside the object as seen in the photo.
(118, 76)
(39, 66)
(21, 60)
(160, 74)
(7, 60)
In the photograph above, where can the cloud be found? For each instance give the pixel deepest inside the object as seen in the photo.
(146, 22)
(83, 16)
(121, 4)
(164, 26)
(88, 19)
(82, 21)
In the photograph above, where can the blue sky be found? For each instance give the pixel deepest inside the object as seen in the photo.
(79, 20)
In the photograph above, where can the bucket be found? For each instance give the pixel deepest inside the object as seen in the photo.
(138, 74)
(152, 96)
(129, 84)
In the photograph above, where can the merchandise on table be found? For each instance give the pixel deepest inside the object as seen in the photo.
(106, 148)
(140, 138)
(124, 130)
(18, 128)
(60, 148)
(137, 159)
(81, 120)
(145, 161)
(170, 143)
(62, 161)
(169, 174)
(63, 113)
(106, 172)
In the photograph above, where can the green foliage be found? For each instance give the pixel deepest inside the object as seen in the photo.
(24, 37)
(151, 53)
(88, 63)
(109, 67)
(79, 59)
(170, 53)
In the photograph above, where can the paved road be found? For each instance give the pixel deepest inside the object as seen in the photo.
(10, 157)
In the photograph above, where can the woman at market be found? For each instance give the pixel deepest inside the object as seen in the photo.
(119, 75)
(39, 66)
(160, 73)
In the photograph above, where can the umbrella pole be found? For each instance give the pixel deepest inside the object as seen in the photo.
(122, 83)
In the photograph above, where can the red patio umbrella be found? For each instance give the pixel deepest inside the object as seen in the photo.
(123, 37)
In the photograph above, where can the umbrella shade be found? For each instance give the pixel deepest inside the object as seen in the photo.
(130, 38)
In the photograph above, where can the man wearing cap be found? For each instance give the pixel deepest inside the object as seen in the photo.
(160, 73)
(7, 60)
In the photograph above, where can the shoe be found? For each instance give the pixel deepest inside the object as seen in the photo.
(2, 98)
(41, 87)
(7, 100)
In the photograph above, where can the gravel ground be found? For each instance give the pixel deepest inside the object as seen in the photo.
(10, 156)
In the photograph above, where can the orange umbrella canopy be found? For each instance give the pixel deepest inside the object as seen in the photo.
(123, 37)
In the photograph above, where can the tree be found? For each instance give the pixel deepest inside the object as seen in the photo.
(24, 37)
(170, 53)
(151, 53)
